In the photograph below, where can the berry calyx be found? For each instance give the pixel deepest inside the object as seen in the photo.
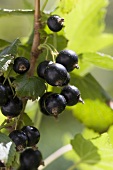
(55, 104)
(55, 23)
(68, 59)
(42, 103)
(12, 108)
(21, 65)
(19, 138)
(30, 159)
(72, 95)
(41, 68)
(3, 94)
(32, 134)
(55, 74)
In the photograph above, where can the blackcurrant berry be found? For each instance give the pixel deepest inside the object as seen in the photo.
(67, 80)
(19, 138)
(30, 159)
(10, 89)
(68, 59)
(2, 78)
(3, 95)
(1, 165)
(42, 103)
(55, 23)
(72, 95)
(41, 68)
(55, 104)
(33, 135)
(12, 108)
(21, 65)
(55, 74)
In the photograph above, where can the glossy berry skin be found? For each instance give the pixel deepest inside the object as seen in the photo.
(55, 74)
(55, 104)
(41, 68)
(42, 103)
(30, 159)
(71, 94)
(3, 95)
(32, 134)
(21, 65)
(68, 59)
(19, 138)
(55, 23)
(12, 108)
(66, 82)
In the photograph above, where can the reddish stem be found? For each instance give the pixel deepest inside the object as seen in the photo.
(36, 40)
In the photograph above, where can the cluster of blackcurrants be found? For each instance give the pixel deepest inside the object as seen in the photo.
(28, 136)
(57, 74)
(11, 106)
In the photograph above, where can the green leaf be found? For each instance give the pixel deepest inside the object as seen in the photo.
(3, 43)
(8, 149)
(98, 59)
(88, 86)
(86, 150)
(12, 49)
(94, 114)
(87, 18)
(5, 61)
(29, 87)
(97, 43)
(5, 12)
(104, 150)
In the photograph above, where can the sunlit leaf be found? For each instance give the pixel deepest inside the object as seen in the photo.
(84, 22)
(94, 114)
(99, 59)
(86, 150)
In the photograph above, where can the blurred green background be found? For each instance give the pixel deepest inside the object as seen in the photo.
(54, 133)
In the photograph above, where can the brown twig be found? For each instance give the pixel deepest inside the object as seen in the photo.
(36, 40)
(34, 51)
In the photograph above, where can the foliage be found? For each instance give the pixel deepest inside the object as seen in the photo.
(83, 32)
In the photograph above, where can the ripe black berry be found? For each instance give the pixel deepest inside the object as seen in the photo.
(1, 165)
(3, 95)
(30, 159)
(19, 138)
(41, 68)
(21, 65)
(10, 89)
(33, 135)
(12, 108)
(55, 104)
(42, 103)
(67, 80)
(68, 59)
(55, 23)
(72, 95)
(55, 74)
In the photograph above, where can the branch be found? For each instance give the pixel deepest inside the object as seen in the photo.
(36, 40)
